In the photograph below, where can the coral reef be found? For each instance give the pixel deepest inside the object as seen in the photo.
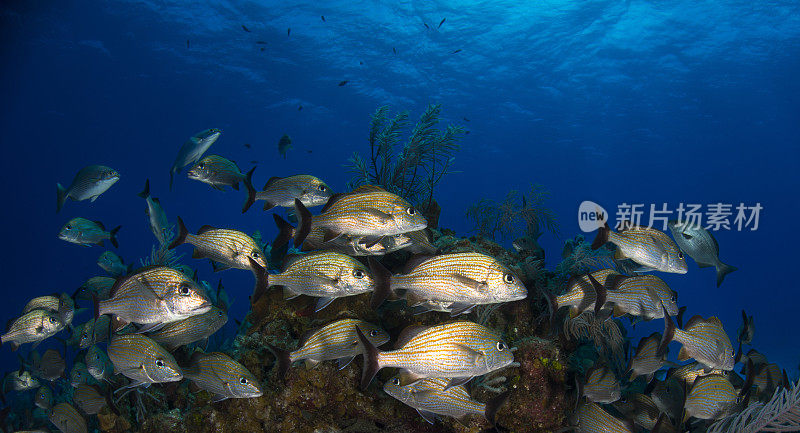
(527, 211)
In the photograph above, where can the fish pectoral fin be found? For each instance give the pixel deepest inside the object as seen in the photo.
(704, 265)
(217, 266)
(370, 241)
(457, 308)
(94, 197)
(475, 285)
(289, 294)
(456, 381)
(474, 355)
(330, 235)
(312, 363)
(322, 303)
(150, 327)
(407, 377)
(383, 217)
(428, 416)
(218, 398)
(683, 354)
(146, 290)
(345, 361)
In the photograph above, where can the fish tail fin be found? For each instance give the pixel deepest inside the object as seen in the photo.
(552, 306)
(283, 359)
(251, 192)
(61, 197)
(722, 271)
(285, 231)
(262, 280)
(370, 367)
(171, 177)
(600, 294)
(602, 236)
(669, 332)
(146, 192)
(382, 278)
(493, 405)
(182, 233)
(303, 224)
(679, 317)
(113, 236)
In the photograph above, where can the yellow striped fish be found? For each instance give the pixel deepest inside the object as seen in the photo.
(225, 248)
(335, 341)
(142, 360)
(67, 419)
(457, 282)
(32, 327)
(594, 419)
(687, 374)
(222, 377)
(601, 386)
(705, 340)
(90, 399)
(431, 398)
(19, 381)
(649, 247)
(283, 191)
(218, 172)
(767, 378)
(641, 296)
(367, 211)
(646, 360)
(191, 329)
(326, 275)
(711, 397)
(458, 351)
(580, 295)
(154, 296)
(62, 304)
(43, 398)
(640, 408)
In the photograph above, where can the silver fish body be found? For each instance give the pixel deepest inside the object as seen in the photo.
(19, 381)
(644, 296)
(217, 171)
(432, 397)
(67, 419)
(190, 329)
(711, 397)
(142, 360)
(228, 248)
(705, 340)
(222, 377)
(338, 341)
(32, 327)
(63, 305)
(283, 191)
(97, 363)
(192, 150)
(594, 419)
(159, 224)
(88, 184)
(602, 386)
(649, 247)
(43, 398)
(700, 245)
(112, 263)
(85, 232)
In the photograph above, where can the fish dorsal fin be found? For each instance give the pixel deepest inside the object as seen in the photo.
(363, 189)
(157, 200)
(693, 322)
(408, 333)
(714, 320)
(271, 181)
(334, 198)
(415, 261)
(100, 224)
(291, 259)
(205, 228)
(683, 355)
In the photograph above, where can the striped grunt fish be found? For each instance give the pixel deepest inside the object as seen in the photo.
(646, 360)
(642, 296)
(67, 419)
(355, 245)
(97, 363)
(225, 248)
(601, 386)
(335, 341)
(50, 366)
(43, 398)
(594, 419)
(88, 184)
(98, 286)
(93, 331)
(459, 281)
(704, 340)
(32, 327)
(90, 399)
(222, 377)
(431, 398)
(283, 191)
(368, 211)
(142, 360)
(580, 295)
(159, 224)
(87, 233)
(325, 275)
(195, 328)
(218, 172)
(192, 150)
(112, 263)
(154, 296)
(646, 246)
(711, 397)
(62, 304)
(458, 351)
(79, 374)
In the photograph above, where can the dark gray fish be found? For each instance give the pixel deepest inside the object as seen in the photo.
(43, 397)
(343, 83)
(97, 363)
(87, 233)
(159, 223)
(289, 31)
(112, 263)
(192, 150)
(67, 419)
(700, 245)
(93, 331)
(456, 51)
(602, 386)
(286, 142)
(142, 360)
(245, 28)
(323, 18)
(746, 332)
(441, 22)
(50, 366)
(98, 286)
(79, 374)
(222, 377)
(218, 172)
(32, 327)
(90, 399)
(88, 184)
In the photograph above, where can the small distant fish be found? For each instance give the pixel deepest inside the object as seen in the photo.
(79, 374)
(187, 43)
(159, 224)
(225, 248)
(426, 26)
(247, 145)
(286, 142)
(142, 360)
(245, 28)
(394, 50)
(93, 331)
(441, 22)
(99, 286)
(360, 62)
(261, 42)
(702, 339)
(192, 150)
(154, 296)
(745, 333)
(456, 51)
(465, 119)
(67, 419)
(254, 162)
(323, 18)
(592, 418)
(325, 275)
(218, 172)
(335, 341)
(87, 233)
(43, 398)
(457, 351)
(601, 386)
(112, 263)
(282, 191)
(711, 397)
(97, 363)
(289, 31)
(32, 327)
(62, 304)
(19, 381)
(431, 398)
(299, 108)
(195, 328)
(700, 245)
(646, 360)
(90, 399)
(649, 247)
(342, 83)
(88, 184)
(263, 49)
(222, 377)
(50, 366)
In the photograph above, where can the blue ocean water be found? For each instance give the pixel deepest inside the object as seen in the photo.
(614, 102)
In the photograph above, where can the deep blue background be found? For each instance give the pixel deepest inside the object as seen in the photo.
(600, 100)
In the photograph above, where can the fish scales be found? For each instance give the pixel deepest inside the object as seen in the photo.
(67, 419)
(334, 341)
(351, 213)
(594, 419)
(710, 398)
(142, 360)
(443, 402)
(643, 296)
(436, 272)
(705, 338)
(215, 372)
(302, 276)
(583, 291)
(191, 329)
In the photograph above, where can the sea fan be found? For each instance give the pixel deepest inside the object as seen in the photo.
(607, 335)
(780, 414)
(517, 215)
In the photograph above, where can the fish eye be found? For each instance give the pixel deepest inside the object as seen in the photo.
(219, 314)
(373, 333)
(201, 166)
(243, 381)
(411, 211)
(501, 346)
(322, 188)
(159, 362)
(508, 278)
(396, 381)
(358, 273)
(680, 255)
(184, 289)
(255, 254)
(68, 226)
